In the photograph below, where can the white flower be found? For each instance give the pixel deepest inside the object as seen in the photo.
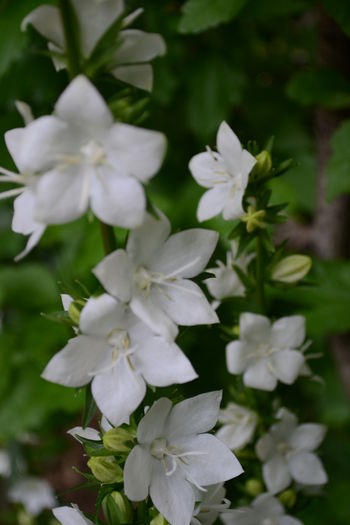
(265, 510)
(287, 453)
(153, 275)
(176, 456)
(120, 355)
(34, 493)
(129, 61)
(239, 425)
(266, 353)
(79, 158)
(70, 516)
(5, 464)
(225, 173)
(211, 504)
(226, 282)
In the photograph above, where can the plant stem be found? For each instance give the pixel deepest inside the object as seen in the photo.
(108, 238)
(71, 37)
(260, 275)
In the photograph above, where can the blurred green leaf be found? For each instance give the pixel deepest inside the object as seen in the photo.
(338, 168)
(340, 11)
(199, 15)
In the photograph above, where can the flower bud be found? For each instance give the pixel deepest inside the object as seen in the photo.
(254, 219)
(158, 520)
(23, 518)
(291, 269)
(263, 165)
(105, 469)
(74, 313)
(254, 487)
(288, 498)
(116, 439)
(124, 507)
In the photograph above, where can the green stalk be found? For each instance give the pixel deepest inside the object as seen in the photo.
(260, 275)
(71, 38)
(108, 238)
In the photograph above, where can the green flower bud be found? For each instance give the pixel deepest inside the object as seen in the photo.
(291, 269)
(254, 487)
(116, 439)
(105, 469)
(74, 313)
(263, 165)
(159, 520)
(23, 518)
(125, 511)
(288, 498)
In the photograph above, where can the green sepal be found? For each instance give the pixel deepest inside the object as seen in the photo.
(58, 317)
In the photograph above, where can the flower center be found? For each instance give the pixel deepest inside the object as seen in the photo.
(143, 280)
(93, 153)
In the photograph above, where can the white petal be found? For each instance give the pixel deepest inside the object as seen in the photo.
(118, 392)
(82, 106)
(288, 332)
(141, 151)
(247, 162)
(34, 493)
(137, 47)
(24, 209)
(259, 375)
(227, 284)
(87, 433)
(184, 302)
(306, 468)
(212, 202)
(152, 425)
(137, 474)
(116, 273)
(307, 436)
(268, 506)
(287, 365)
(149, 311)
(72, 365)
(146, 240)
(265, 447)
(101, 315)
(254, 328)
(240, 516)
(276, 475)
(60, 196)
(216, 464)
(230, 148)
(138, 75)
(47, 21)
(185, 254)
(69, 516)
(195, 415)
(172, 495)
(233, 208)
(206, 170)
(288, 520)
(236, 436)
(25, 111)
(32, 242)
(236, 357)
(118, 201)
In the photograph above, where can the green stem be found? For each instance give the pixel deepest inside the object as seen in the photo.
(108, 238)
(71, 37)
(260, 275)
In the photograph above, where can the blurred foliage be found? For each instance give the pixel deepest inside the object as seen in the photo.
(252, 63)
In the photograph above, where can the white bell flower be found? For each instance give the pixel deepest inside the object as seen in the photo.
(175, 456)
(211, 504)
(34, 493)
(264, 510)
(153, 275)
(136, 48)
(70, 516)
(238, 426)
(226, 282)
(287, 453)
(120, 355)
(225, 173)
(267, 353)
(78, 158)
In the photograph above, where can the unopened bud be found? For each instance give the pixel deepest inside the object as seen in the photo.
(288, 498)
(105, 469)
(124, 507)
(74, 313)
(263, 165)
(254, 487)
(23, 518)
(159, 520)
(291, 269)
(116, 439)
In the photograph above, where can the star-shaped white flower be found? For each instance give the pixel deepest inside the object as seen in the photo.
(287, 452)
(265, 510)
(34, 493)
(267, 353)
(238, 426)
(175, 456)
(225, 173)
(211, 504)
(129, 62)
(226, 282)
(153, 275)
(120, 355)
(71, 515)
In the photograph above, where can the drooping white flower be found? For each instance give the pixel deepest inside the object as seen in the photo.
(267, 353)
(34, 493)
(226, 282)
(211, 504)
(153, 275)
(225, 173)
(287, 452)
(120, 355)
(264, 510)
(78, 158)
(238, 426)
(175, 456)
(71, 516)
(134, 48)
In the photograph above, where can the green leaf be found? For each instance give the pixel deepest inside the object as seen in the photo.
(199, 15)
(338, 168)
(324, 87)
(340, 11)
(89, 407)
